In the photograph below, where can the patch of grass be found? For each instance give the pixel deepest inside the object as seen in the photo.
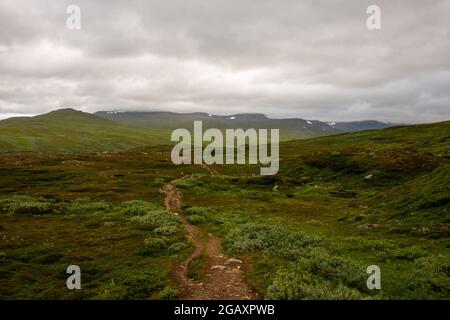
(431, 275)
(138, 207)
(117, 260)
(291, 285)
(167, 293)
(195, 268)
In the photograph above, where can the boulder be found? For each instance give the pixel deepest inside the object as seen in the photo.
(232, 262)
(218, 268)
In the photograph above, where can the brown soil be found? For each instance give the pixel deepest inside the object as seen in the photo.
(220, 282)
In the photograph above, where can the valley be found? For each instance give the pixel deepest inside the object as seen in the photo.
(337, 205)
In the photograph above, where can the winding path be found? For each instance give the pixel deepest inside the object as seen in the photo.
(224, 279)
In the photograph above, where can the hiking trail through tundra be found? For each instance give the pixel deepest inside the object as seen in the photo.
(224, 278)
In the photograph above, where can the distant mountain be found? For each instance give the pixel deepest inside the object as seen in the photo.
(289, 128)
(354, 126)
(71, 130)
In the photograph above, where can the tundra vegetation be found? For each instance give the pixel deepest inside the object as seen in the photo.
(337, 205)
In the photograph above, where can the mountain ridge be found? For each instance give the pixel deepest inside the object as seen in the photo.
(361, 125)
(73, 130)
(290, 128)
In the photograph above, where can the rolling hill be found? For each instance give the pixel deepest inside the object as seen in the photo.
(71, 130)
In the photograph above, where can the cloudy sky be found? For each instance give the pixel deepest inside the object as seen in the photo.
(311, 59)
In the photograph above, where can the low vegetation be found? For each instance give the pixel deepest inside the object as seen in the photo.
(125, 250)
(338, 205)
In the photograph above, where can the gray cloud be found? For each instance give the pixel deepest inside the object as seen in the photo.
(310, 59)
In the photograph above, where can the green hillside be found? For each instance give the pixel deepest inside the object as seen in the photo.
(71, 130)
(402, 173)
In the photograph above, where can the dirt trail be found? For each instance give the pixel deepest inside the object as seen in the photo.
(223, 281)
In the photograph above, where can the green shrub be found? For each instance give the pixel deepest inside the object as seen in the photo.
(138, 207)
(177, 247)
(18, 204)
(198, 211)
(196, 219)
(153, 246)
(431, 277)
(111, 291)
(140, 287)
(291, 285)
(167, 230)
(167, 293)
(271, 239)
(85, 206)
(335, 269)
(189, 182)
(155, 219)
(230, 218)
(324, 275)
(198, 215)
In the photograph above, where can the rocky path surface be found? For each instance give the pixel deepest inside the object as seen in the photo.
(224, 278)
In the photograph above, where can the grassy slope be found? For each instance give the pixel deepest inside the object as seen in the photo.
(70, 130)
(310, 231)
(120, 258)
(408, 169)
(397, 219)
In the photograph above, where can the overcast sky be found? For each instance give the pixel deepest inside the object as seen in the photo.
(310, 59)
